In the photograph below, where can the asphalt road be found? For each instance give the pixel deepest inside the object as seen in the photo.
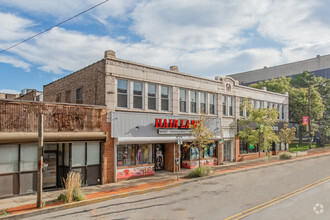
(226, 196)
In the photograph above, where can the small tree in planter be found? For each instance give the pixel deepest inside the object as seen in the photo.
(203, 137)
(286, 135)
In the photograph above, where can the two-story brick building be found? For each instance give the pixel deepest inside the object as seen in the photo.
(149, 108)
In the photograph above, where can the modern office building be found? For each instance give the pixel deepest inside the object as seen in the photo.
(320, 66)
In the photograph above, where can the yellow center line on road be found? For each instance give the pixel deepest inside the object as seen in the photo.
(278, 199)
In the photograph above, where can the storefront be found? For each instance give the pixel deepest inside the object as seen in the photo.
(18, 170)
(192, 156)
(146, 143)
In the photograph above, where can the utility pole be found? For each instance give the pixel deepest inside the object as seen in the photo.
(40, 158)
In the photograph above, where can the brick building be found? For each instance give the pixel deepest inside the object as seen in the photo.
(148, 109)
(76, 137)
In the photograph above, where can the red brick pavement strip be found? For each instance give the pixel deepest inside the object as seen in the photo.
(148, 187)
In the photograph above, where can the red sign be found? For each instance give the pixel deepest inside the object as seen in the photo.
(174, 123)
(305, 120)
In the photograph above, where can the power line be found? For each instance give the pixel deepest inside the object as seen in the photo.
(23, 41)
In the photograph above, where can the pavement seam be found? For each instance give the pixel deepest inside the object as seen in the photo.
(152, 189)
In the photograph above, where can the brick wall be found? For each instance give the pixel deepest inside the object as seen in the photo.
(243, 157)
(91, 79)
(108, 154)
(168, 155)
(30, 96)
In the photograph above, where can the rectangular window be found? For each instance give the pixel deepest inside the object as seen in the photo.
(137, 95)
(79, 95)
(280, 111)
(212, 103)
(58, 97)
(68, 96)
(29, 157)
(8, 158)
(78, 154)
(165, 97)
(257, 104)
(224, 105)
(202, 101)
(93, 153)
(152, 101)
(122, 93)
(183, 100)
(135, 154)
(231, 105)
(241, 110)
(193, 102)
(283, 112)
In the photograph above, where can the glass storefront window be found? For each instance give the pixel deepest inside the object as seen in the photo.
(135, 154)
(29, 157)
(93, 153)
(8, 158)
(78, 154)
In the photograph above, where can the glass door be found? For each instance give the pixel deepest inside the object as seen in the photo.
(159, 156)
(49, 170)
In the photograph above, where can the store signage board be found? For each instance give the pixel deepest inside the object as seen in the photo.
(174, 131)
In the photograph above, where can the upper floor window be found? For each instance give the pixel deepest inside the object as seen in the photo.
(68, 96)
(202, 101)
(122, 93)
(228, 105)
(137, 95)
(231, 102)
(183, 100)
(283, 112)
(241, 110)
(79, 95)
(224, 105)
(152, 101)
(165, 91)
(212, 101)
(58, 97)
(193, 102)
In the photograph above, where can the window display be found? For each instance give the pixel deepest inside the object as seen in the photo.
(136, 154)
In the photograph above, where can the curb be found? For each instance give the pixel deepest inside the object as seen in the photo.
(153, 189)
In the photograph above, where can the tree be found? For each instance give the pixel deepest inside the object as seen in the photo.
(324, 122)
(203, 137)
(262, 120)
(286, 135)
(301, 88)
(309, 81)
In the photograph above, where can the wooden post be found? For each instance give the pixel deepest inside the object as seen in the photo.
(40, 158)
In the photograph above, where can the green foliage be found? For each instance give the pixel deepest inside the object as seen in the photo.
(259, 117)
(203, 137)
(286, 134)
(301, 147)
(200, 171)
(279, 85)
(62, 198)
(77, 196)
(285, 156)
(3, 212)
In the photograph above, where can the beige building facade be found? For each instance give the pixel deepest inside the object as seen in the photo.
(145, 94)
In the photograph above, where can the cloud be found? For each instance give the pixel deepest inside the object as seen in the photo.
(9, 91)
(14, 28)
(15, 62)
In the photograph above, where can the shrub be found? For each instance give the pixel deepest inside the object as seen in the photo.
(72, 185)
(200, 171)
(62, 198)
(285, 156)
(3, 212)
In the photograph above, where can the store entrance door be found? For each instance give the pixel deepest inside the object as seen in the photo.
(227, 151)
(159, 156)
(49, 170)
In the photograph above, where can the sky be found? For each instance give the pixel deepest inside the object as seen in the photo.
(207, 38)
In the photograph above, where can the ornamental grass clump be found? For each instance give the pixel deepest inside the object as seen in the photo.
(200, 171)
(72, 185)
(285, 156)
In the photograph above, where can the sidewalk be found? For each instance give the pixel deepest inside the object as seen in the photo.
(25, 206)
